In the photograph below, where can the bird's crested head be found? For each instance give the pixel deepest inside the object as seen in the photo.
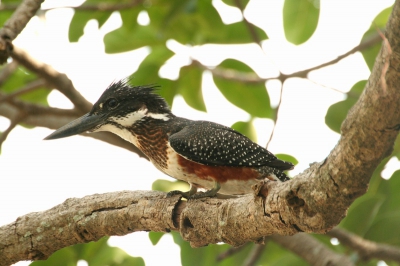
(120, 106)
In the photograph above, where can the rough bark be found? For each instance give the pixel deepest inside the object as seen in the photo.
(37, 235)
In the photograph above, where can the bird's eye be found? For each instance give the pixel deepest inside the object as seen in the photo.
(112, 103)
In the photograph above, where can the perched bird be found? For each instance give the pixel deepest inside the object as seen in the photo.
(204, 154)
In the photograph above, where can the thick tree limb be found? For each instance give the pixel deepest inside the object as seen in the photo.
(37, 235)
(365, 248)
(25, 11)
(311, 250)
(80, 220)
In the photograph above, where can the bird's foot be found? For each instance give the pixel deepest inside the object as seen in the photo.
(186, 195)
(209, 193)
(200, 195)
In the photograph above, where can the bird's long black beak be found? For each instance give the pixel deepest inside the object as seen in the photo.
(80, 125)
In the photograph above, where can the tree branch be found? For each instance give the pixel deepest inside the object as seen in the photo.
(278, 107)
(229, 252)
(86, 7)
(37, 235)
(310, 249)
(365, 248)
(254, 255)
(27, 88)
(253, 78)
(250, 26)
(376, 38)
(79, 220)
(14, 122)
(7, 71)
(25, 11)
(53, 77)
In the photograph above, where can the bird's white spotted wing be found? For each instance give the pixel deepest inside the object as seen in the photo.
(213, 144)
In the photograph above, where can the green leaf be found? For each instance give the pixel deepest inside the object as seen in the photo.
(253, 98)
(198, 22)
(366, 207)
(189, 86)
(396, 148)
(378, 24)
(131, 35)
(337, 112)
(82, 17)
(246, 128)
(384, 229)
(206, 256)
(6, 14)
(233, 3)
(187, 22)
(147, 73)
(19, 79)
(95, 253)
(287, 158)
(236, 33)
(300, 19)
(167, 186)
(389, 188)
(275, 255)
(155, 237)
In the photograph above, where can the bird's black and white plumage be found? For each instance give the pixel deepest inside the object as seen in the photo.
(204, 154)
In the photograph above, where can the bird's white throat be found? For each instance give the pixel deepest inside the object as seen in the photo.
(128, 121)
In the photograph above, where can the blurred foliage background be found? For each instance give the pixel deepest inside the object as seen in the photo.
(374, 216)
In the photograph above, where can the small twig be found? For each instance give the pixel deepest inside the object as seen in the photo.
(14, 122)
(58, 80)
(362, 46)
(104, 6)
(366, 249)
(229, 252)
(348, 94)
(311, 250)
(34, 109)
(250, 26)
(27, 88)
(8, 6)
(254, 255)
(7, 71)
(276, 117)
(230, 74)
(85, 7)
(252, 78)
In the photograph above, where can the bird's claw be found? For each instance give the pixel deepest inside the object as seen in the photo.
(178, 192)
(200, 195)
